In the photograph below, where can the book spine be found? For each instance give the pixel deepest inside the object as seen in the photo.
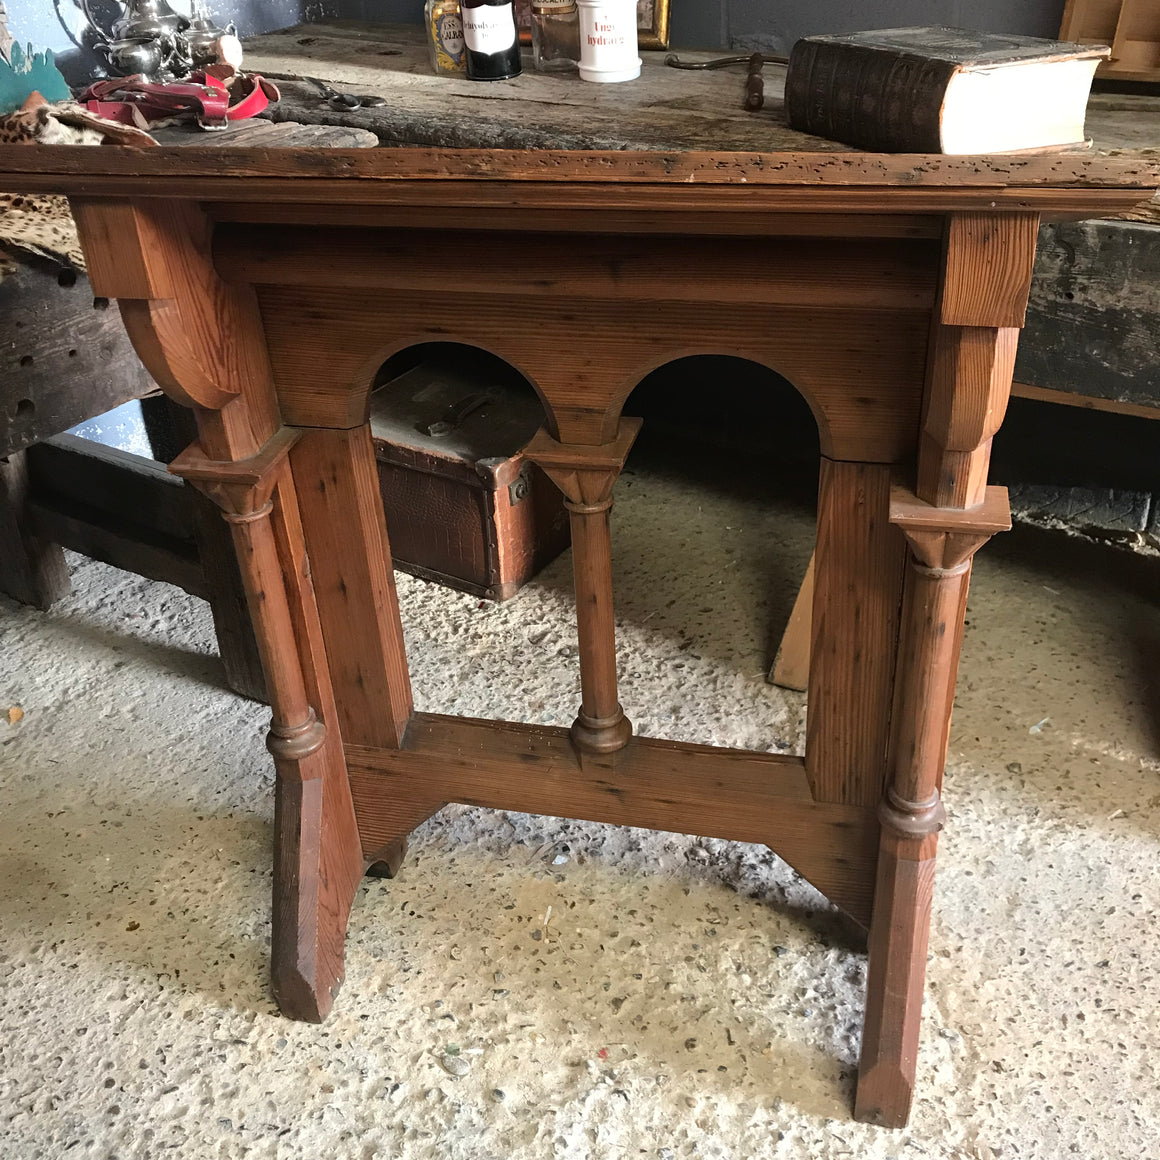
(885, 102)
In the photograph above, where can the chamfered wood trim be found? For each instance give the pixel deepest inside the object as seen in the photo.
(307, 195)
(821, 272)
(600, 166)
(662, 785)
(687, 222)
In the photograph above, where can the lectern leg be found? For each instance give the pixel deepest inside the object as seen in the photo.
(942, 545)
(317, 859)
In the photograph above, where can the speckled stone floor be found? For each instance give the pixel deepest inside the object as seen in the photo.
(531, 987)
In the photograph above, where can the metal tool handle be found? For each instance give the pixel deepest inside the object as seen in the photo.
(755, 84)
(456, 413)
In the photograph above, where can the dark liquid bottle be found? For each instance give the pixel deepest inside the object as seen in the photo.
(493, 44)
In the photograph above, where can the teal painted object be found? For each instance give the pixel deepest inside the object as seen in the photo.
(30, 72)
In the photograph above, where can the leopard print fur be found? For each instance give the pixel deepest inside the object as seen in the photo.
(40, 225)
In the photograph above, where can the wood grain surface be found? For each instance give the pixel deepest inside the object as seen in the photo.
(325, 355)
(346, 537)
(663, 109)
(699, 789)
(859, 562)
(903, 351)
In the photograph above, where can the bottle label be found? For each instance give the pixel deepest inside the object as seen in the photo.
(490, 28)
(449, 30)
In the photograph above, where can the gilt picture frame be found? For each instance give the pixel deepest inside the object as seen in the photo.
(652, 22)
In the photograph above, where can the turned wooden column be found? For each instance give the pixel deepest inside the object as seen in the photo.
(586, 475)
(942, 543)
(985, 281)
(244, 490)
(202, 340)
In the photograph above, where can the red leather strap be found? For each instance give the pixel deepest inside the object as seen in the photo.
(136, 101)
(261, 96)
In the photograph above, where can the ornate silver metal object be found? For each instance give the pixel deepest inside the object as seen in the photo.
(152, 39)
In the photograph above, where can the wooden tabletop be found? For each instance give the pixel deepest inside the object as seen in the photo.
(666, 109)
(673, 141)
(1059, 184)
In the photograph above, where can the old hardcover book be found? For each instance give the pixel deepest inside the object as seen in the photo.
(941, 90)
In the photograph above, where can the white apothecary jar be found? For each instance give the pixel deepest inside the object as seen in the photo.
(608, 51)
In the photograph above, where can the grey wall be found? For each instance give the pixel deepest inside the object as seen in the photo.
(774, 25)
(61, 25)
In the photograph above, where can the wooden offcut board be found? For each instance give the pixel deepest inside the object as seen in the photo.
(1131, 27)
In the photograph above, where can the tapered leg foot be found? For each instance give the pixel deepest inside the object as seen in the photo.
(306, 971)
(894, 989)
(388, 861)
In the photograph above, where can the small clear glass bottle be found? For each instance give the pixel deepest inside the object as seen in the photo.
(555, 35)
(445, 37)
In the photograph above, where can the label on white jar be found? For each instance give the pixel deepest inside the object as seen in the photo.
(607, 35)
(490, 28)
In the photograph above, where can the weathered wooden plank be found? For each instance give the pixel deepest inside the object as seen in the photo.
(114, 506)
(1094, 312)
(163, 171)
(122, 545)
(286, 134)
(664, 108)
(69, 470)
(32, 567)
(873, 194)
(63, 356)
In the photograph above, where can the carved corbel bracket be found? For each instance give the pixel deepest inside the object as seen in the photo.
(200, 338)
(988, 259)
(161, 341)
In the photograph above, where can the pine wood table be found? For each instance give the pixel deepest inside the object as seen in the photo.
(265, 288)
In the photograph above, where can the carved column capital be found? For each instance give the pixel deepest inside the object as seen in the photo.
(944, 540)
(585, 474)
(242, 487)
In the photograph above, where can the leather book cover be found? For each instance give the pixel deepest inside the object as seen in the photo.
(883, 91)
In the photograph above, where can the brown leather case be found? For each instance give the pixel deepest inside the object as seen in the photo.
(463, 506)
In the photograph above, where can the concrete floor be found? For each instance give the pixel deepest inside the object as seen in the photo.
(604, 992)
